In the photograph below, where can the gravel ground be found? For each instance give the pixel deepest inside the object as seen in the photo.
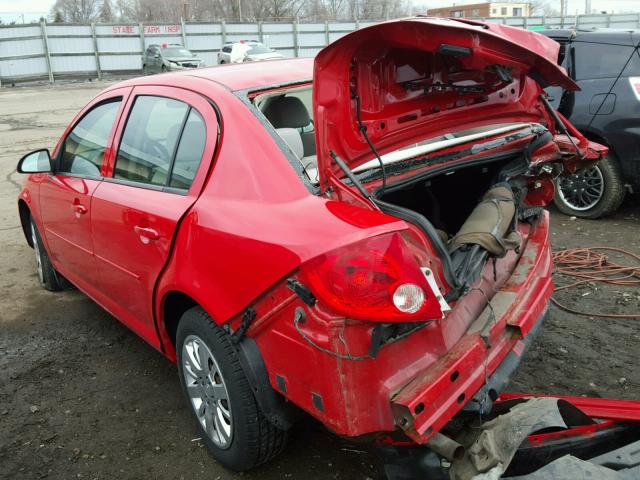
(83, 397)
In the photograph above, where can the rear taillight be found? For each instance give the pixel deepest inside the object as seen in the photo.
(635, 86)
(376, 279)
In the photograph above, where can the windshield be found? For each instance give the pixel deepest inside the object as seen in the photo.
(258, 48)
(176, 52)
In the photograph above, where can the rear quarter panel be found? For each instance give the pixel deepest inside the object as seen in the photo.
(254, 223)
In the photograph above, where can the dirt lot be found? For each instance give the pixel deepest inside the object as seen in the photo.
(83, 397)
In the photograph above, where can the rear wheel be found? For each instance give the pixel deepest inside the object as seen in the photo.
(220, 397)
(593, 192)
(49, 278)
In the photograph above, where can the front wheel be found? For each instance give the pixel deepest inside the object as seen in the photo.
(49, 278)
(593, 192)
(220, 398)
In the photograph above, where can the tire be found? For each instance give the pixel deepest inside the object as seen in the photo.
(603, 201)
(145, 69)
(49, 278)
(163, 68)
(251, 439)
(222, 62)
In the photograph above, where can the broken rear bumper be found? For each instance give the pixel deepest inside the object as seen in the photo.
(472, 374)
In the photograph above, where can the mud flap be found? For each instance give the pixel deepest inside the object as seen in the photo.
(274, 407)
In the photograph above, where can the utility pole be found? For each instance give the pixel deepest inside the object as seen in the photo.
(240, 9)
(587, 7)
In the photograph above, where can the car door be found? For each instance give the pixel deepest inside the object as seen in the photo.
(164, 151)
(596, 68)
(65, 195)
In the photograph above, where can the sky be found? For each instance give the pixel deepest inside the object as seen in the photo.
(33, 9)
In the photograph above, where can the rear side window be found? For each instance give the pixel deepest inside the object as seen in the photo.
(595, 60)
(149, 140)
(227, 49)
(189, 151)
(83, 149)
(162, 143)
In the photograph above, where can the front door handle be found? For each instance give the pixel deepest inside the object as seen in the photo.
(146, 233)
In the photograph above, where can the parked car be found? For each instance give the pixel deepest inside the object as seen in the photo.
(606, 65)
(246, 51)
(350, 276)
(168, 57)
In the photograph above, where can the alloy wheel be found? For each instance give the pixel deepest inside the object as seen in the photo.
(207, 391)
(582, 191)
(36, 249)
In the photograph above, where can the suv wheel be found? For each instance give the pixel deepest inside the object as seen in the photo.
(593, 192)
(49, 278)
(220, 397)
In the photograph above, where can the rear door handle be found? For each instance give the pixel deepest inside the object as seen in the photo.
(80, 209)
(146, 233)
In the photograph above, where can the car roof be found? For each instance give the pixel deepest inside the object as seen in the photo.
(250, 75)
(240, 76)
(611, 36)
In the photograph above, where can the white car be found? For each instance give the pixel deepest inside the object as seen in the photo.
(246, 51)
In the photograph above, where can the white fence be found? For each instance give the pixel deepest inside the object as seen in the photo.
(57, 50)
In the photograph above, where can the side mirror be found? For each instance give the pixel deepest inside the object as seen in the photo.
(38, 161)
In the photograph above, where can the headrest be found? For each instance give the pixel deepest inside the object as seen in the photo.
(287, 112)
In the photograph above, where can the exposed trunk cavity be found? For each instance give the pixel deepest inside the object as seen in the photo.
(470, 213)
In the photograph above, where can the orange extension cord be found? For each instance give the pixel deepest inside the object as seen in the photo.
(590, 265)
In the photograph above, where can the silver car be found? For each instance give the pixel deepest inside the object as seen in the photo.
(246, 51)
(169, 57)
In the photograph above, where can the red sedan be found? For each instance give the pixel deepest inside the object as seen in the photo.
(361, 236)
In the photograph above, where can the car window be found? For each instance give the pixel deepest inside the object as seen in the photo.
(189, 151)
(226, 49)
(633, 67)
(595, 60)
(176, 52)
(149, 139)
(83, 149)
(258, 48)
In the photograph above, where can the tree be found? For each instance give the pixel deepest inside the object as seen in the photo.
(542, 7)
(76, 11)
(106, 12)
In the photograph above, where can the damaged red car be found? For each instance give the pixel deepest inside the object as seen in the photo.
(360, 236)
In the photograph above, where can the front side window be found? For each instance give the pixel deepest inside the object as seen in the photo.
(162, 143)
(83, 149)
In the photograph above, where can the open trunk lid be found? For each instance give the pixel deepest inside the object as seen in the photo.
(408, 80)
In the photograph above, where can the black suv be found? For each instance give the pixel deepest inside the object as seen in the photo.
(606, 65)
